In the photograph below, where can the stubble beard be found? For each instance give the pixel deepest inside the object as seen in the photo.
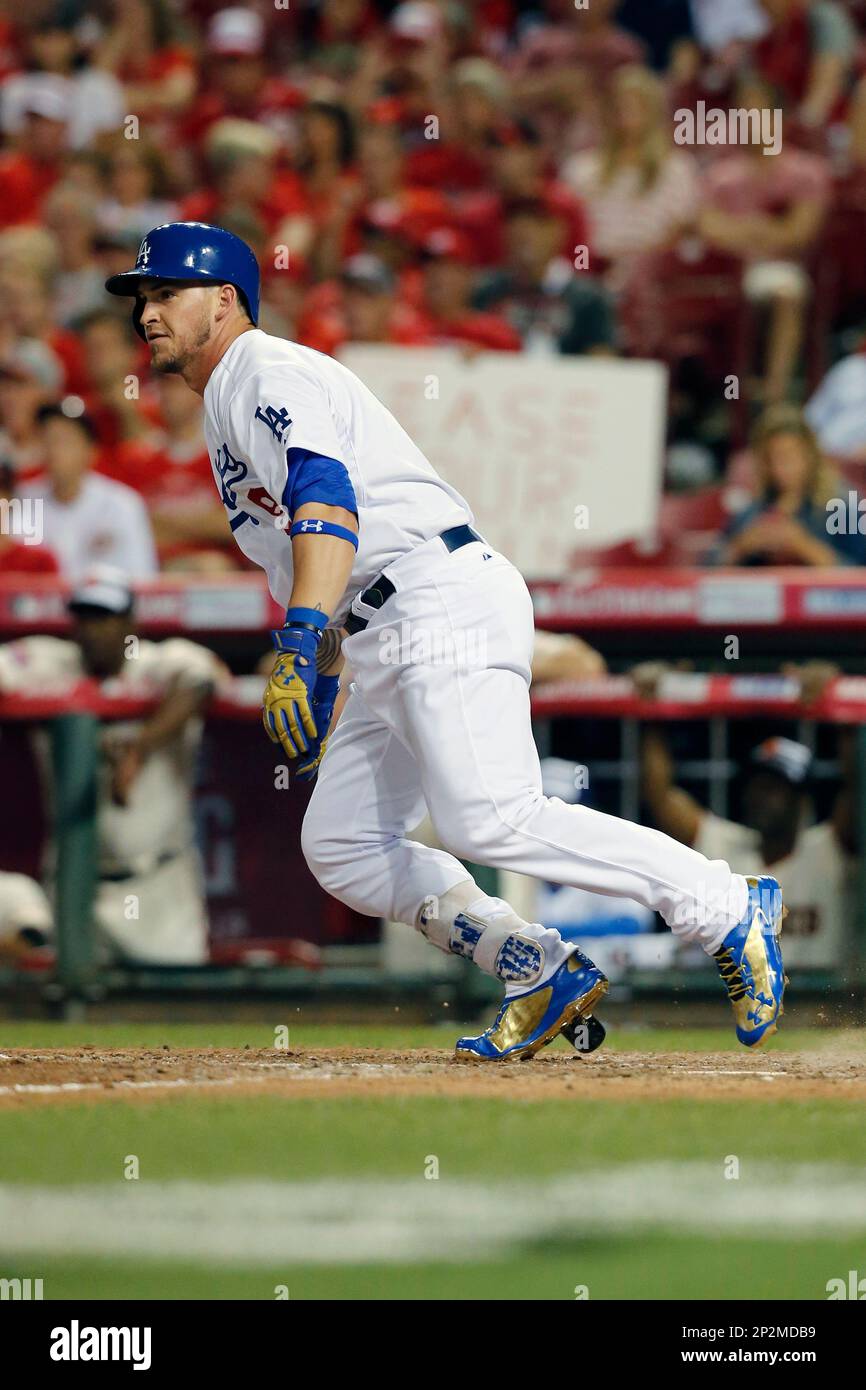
(177, 365)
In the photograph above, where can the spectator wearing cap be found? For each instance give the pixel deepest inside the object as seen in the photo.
(236, 81)
(787, 521)
(553, 307)
(136, 186)
(449, 280)
(641, 192)
(474, 117)
(30, 170)
(359, 308)
(19, 553)
(145, 827)
(30, 377)
(93, 98)
(87, 518)
(78, 286)
(813, 863)
(769, 212)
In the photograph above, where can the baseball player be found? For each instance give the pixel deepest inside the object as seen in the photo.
(376, 557)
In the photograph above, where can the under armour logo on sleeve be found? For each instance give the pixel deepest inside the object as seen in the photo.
(277, 421)
(308, 524)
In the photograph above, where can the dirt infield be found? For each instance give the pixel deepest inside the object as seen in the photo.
(39, 1076)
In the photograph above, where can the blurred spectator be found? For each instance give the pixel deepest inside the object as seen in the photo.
(236, 80)
(521, 173)
(29, 304)
(175, 476)
(30, 377)
(245, 182)
(837, 410)
(786, 524)
(325, 161)
(88, 519)
(641, 192)
(813, 863)
(92, 97)
(807, 56)
(145, 829)
(26, 921)
(143, 49)
(18, 555)
(117, 406)
(136, 185)
(30, 170)
(79, 284)
(768, 211)
(359, 308)
(446, 306)
(552, 306)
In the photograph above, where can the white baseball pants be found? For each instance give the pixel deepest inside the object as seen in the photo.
(439, 717)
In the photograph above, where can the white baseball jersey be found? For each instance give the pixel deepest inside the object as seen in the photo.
(106, 524)
(158, 819)
(816, 879)
(285, 424)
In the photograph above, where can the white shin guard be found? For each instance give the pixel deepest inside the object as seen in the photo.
(488, 931)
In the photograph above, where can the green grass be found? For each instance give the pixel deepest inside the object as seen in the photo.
(621, 1038)
(221, 1135)
(652, 1268)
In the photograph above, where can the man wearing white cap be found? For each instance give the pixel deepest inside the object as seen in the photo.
(29, 172)
(238, 81)
(149, 904)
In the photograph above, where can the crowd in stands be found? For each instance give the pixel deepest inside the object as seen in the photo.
(489, 174)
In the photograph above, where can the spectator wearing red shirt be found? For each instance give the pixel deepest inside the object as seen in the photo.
(520, 175)
(237, 80)
(807, 57)
(386, 202)
(768, 211)
(449, 280)
(142, 49)
(360, 308)
(30, 377)
(175, 477)
(472, 124)
(244, 180)
(118, 406)
(29, 304)
(29, 172)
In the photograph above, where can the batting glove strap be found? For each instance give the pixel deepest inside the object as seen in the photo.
(302, 632)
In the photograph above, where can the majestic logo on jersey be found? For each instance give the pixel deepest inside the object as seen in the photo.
(277, 421)
(231, 471)
(143, 257)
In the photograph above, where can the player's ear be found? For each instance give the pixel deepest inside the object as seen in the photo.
(227, 297)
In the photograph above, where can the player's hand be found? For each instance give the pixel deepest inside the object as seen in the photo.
(287, 711)
(324, 698)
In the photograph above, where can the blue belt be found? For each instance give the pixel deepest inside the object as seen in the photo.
(381, 589)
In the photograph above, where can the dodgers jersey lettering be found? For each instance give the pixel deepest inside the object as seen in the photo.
(285, 424)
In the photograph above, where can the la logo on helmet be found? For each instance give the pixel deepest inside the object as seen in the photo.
(143, 253)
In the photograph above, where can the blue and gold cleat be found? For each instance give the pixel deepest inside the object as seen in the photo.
(527, 1022)
(750, 963)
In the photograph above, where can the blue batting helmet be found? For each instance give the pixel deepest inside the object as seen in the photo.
(191, 251)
